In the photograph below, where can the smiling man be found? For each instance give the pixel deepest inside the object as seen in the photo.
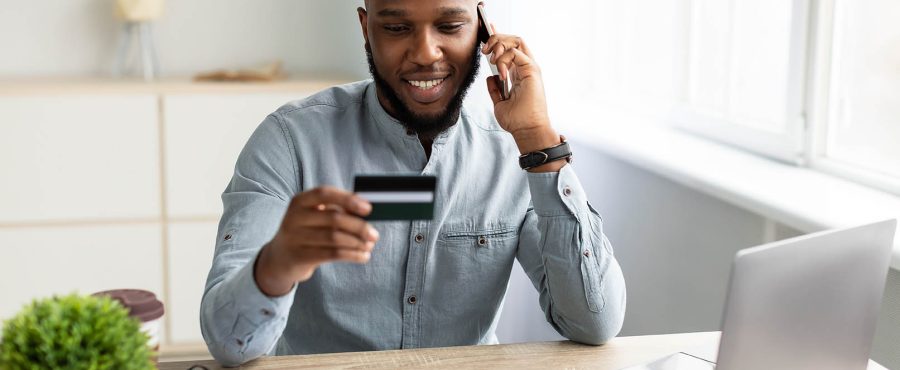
(298, 270)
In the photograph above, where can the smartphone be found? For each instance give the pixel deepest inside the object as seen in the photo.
(485, 32)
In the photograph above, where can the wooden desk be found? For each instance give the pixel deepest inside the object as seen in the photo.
(618, 353)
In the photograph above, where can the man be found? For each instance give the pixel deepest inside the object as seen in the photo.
(298, 270)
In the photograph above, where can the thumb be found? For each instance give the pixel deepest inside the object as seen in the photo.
(493, 83)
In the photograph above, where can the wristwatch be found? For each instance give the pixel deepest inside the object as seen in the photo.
(554, 153)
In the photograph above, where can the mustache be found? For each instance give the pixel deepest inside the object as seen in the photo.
(430, 125)
(434, 68)
(424, 69)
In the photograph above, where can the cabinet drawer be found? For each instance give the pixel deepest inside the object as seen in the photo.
(191, 247)
(79, 157)
(204, 135)
(43, 261)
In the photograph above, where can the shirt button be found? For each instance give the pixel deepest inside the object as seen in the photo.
(420, 238)
(587, 253)
(567, 191)
(266, 312)
(411, 300)
(227, 237)
(482, 240)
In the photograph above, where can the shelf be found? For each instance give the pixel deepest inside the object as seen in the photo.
(62, 86)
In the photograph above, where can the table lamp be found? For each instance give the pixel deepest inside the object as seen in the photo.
(137, 17)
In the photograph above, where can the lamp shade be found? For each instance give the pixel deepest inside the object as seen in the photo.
(139, 10)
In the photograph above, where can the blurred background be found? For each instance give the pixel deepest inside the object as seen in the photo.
(700, 127)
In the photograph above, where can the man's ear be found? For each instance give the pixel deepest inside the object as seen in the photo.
(364, 22)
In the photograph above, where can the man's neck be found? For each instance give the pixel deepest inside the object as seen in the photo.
(424, 139)
(426, 144)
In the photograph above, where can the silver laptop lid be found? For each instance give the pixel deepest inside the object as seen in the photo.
(809, 302)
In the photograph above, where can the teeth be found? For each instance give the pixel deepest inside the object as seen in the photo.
(425, 85)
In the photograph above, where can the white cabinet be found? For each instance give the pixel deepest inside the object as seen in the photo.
(76, 157)
(90, 189)
(191, 247)
(42, 261)
(204, 135)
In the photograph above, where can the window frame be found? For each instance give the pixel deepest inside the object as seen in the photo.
(787, 146)
(824, 69)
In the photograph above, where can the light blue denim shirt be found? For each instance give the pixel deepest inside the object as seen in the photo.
(488, 212)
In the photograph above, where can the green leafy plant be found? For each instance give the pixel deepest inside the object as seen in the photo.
(74, 332)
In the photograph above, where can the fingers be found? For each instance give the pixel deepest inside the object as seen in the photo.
(498, 44)
(335, 219)
(328, 229)
(492, 41)
(493, 85)
(513, 58)
(322, 255)
(319, 218)
(325, 196)
(321, 225)
(327, 238)
(332, 238)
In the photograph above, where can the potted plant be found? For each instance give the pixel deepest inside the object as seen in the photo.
(74, 332)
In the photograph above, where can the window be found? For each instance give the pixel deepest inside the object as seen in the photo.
(859, 136)
(811, 83)
(745, 69)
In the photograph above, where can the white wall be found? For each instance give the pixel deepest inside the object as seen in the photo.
(78, 37)
(675, 246)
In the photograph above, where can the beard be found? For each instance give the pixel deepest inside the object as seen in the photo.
(426, 125)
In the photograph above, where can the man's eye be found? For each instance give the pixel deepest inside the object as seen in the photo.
(450, 27)
(393, 28)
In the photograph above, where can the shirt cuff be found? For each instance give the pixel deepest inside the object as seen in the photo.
(557, 193)
(250, 302)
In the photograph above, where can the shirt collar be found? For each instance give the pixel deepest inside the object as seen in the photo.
(390, 126)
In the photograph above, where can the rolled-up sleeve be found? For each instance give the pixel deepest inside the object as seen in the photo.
(570, 261)
(238, 321)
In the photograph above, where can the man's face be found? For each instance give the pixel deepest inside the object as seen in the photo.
(423, 55)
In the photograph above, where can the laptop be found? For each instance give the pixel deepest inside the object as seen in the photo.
(809, 302)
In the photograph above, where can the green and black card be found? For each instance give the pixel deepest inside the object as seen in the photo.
(398, 197)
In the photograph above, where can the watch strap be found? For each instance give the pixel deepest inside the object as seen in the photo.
(539, 157)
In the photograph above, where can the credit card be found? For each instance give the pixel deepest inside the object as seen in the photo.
(397, 197)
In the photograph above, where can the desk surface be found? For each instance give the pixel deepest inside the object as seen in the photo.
(618, 353)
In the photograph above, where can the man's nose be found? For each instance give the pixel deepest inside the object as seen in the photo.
(426, 49)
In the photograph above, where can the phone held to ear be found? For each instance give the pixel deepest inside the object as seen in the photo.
(485, 32)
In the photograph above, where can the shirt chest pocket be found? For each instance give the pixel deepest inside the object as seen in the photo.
(470, 266)
(483, 255)
(489, 238)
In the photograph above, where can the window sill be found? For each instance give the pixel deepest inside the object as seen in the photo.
(801, 198)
